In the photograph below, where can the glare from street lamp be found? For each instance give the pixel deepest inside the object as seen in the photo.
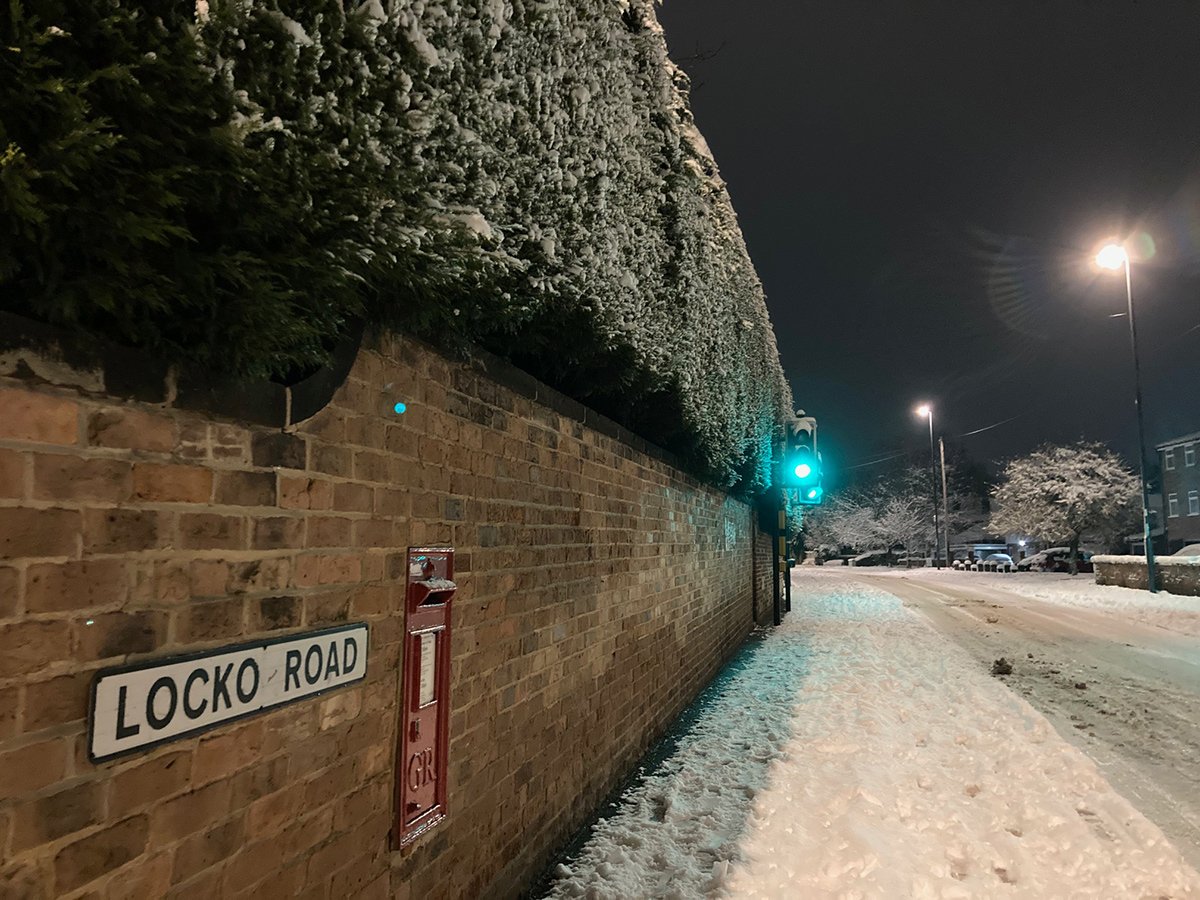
(1112, 256)
(924, 410)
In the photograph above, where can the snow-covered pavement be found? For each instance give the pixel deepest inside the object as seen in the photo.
(860, 754)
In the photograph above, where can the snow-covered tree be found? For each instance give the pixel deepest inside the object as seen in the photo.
(1057, 493)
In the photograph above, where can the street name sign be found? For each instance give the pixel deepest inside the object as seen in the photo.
(148, 703)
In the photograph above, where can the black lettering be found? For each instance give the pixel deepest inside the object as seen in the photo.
(221, 687)
(312, 673)
(247, 696)
(331, 664)
(291, 669)
(194, 712)
(349, 655)
(159, 722)
(123, 730)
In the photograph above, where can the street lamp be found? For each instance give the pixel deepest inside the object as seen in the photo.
(1112, 256)
(926, 411)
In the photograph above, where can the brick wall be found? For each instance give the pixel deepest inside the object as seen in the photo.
(600, 589)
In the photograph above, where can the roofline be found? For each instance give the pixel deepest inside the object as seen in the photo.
(1173, 442)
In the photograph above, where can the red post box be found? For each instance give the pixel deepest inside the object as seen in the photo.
(425, 710)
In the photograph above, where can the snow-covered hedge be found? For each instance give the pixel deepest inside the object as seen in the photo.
(521, 174)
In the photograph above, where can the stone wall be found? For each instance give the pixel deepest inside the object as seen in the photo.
(600, 588)
(1175, 575)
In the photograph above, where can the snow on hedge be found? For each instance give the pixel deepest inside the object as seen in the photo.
(556, 137)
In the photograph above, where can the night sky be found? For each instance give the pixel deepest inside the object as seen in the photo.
(922, 186)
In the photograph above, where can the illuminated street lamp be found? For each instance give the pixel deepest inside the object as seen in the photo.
(926, 411)
(1112, 256)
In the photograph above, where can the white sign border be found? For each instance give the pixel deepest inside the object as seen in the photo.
(159, 661)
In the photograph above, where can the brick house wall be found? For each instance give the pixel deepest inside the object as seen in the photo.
(1179, 462)
(600, 589)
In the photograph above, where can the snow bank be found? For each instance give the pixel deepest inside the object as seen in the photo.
(904, 771)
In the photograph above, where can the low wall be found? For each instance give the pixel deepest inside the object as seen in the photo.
(1175, 575)
(600, 589)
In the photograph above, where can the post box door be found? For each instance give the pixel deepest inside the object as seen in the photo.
(422, 773)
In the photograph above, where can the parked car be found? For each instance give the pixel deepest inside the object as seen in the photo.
(1055, 559)
(872, 558)
(1000, 562)
(1189, 550)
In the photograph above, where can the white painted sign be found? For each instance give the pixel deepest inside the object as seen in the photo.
(138, 706)
(428, 667)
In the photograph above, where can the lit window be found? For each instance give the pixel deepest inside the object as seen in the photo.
(1194, 503)
(1172, 505)
(1189, 454)
(1169, 459)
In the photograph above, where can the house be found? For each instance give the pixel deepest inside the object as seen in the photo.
(1181, 489)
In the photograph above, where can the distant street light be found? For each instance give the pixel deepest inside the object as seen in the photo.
(1112, 256)
(926, 411)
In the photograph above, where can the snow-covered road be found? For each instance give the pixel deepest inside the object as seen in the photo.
(1119, 677)
(859, 753)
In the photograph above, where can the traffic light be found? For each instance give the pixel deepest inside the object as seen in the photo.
(801, 469)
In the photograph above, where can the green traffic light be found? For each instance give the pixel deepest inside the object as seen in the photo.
(803, 470)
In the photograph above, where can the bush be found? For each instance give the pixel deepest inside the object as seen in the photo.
(233, 184)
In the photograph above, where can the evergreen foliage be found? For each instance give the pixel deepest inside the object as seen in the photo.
(235, 182)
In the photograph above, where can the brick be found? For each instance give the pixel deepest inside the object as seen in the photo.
(124, 530)
(330, 459)
(86, 584)
(327, 608)
(259, 575)
(57, 701)
(221, 755)
(28, 646)
(57, 476)
(277, 532)
(149, 782)
(29, 416)
(10, 591)
(24, 880)
(304, 493)
(57, 815)
(351, 497)
(208, 577)
(328, 531)
(106, 635)
(12, 474)
(131, 429)
(206, 849)
(245, 489)
(32, 767)
(278, 612)
(312, 569)
(39, 532)
(189, 813)
(77, 864)
(9, 698)
(151, 878)
(270, 814)
(154, 483)
(208, 620)
(209, 531)
(278, 450)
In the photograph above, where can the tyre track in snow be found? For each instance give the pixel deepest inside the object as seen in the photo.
(1138, 717)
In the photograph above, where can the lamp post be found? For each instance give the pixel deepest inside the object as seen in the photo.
(1112, 256)
(926, 411)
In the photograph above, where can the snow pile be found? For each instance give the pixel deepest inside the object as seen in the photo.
(909, 772)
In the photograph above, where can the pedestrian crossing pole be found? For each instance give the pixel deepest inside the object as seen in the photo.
(785, 568)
